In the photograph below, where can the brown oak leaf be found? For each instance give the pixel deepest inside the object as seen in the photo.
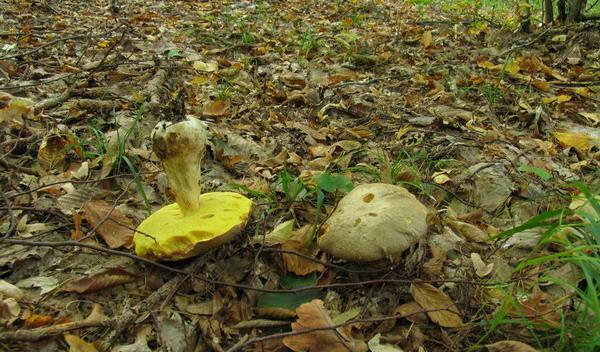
(313, 315)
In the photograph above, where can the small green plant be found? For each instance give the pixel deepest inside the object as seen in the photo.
(248, 37)
(308, 42)
(224, 90)
(293, 187)
(491, 93)
(574, 239)
(123, 158)
(96, 147)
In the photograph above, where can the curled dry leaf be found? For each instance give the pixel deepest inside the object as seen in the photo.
(107, 279)
(468, 231)
(217, 108)
(9, 290)
(313, 315)
(9, 310)
(112, 225)
(481, 268)
(434, 266)
(54, 149)
(510, 346)
(293, 80)
(441, 309)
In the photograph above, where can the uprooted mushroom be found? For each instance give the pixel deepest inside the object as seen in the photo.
(196, 222)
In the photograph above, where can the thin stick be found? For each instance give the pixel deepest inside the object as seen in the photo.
(240, 286)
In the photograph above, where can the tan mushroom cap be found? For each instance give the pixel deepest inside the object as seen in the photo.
(374, 221)
(168, 234)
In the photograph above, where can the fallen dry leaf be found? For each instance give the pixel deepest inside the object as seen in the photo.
(54, 149)
(579, 141)
(443, 311)
(297, 264)
(112, 225)
(510, 346)
(536, 309)
(313, 315)
(427, 39)
(217, 108)
(107, 279)
(468, 231)
(481, 268)
(77, 344)
(412, 312)
(37, 320)
(433, 267)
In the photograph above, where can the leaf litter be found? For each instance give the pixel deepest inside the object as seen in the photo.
(484, 129)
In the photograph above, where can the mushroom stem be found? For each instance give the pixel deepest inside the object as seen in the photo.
(180, 147)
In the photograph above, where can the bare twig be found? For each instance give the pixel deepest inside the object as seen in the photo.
(54, 330)
(34, 50)
(60, 244)
(249, 342)
(327, 264)
(12, 227)
(128, 317)
(11, 196)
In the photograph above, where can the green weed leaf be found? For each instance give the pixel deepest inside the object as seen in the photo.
(538, 171)
(332, 183)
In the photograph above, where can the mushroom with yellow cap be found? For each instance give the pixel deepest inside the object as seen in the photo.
(196, 222)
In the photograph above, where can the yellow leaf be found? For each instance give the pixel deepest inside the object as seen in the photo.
(542, 85)
(512, 68)
(579, 141)
(401, 132)
(592, 117)
(584, 92)
(557, 99)
(104, 44)
(199, 80)
(427, 39)
(76, 344)
(487, 64)
(441, 177)
(210, 66)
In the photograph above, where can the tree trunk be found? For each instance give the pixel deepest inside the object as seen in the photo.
(525, 13)
(548, 12)
(576, 10)
(562, 13)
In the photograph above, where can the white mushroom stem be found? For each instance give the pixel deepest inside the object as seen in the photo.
(180, 147)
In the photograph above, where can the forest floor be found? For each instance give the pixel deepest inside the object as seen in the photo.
(491, 129)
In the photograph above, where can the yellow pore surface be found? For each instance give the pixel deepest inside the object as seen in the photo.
(168, 234)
